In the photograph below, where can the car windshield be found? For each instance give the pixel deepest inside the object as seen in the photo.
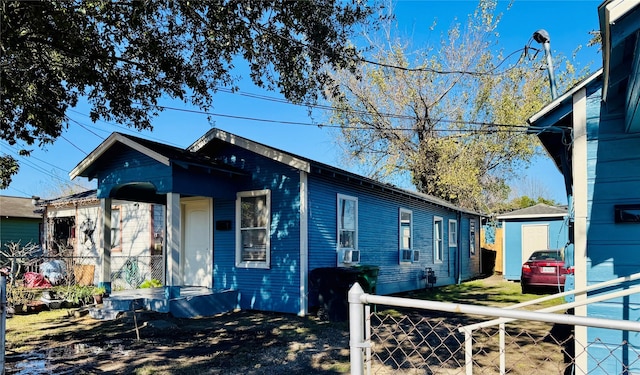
(546, 255)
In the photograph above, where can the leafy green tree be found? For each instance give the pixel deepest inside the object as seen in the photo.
(450, 117)
(123, 56)
(520, 203)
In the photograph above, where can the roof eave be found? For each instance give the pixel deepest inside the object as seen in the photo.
(531, 216)
(106, 145)
(266, 151)
(551, 107)
(609, 12)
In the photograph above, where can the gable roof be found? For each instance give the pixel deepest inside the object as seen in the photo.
(162, 153)
(289, 159)
(17, 207)
(539, 211)
(196, 153)
(311, 166)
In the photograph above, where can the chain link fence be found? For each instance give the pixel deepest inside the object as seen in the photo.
(129, 272)
(411, 344)
(405, 339)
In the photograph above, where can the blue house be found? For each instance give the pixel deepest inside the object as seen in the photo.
(245, 216)
(593, 134)
(533, 228)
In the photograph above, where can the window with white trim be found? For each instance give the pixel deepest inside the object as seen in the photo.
(472, 237)
(406, 236)
(253, 215)
(438, 246)
(453, 233)
(347, 230)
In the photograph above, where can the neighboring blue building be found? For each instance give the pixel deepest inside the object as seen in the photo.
(246, 216)
(533, 228)
(593, 134)
(19, 222)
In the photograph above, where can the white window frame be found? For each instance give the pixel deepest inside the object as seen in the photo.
(401, 237)
(116, 228)
(239, 229)
(438, 240)
(453, 233)
(472, 237)
(339, 226)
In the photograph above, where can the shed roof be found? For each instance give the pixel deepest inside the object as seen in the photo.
(539, 211)
(17, 207)
(84, 196)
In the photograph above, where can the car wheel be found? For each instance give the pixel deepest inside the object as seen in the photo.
(526, 289)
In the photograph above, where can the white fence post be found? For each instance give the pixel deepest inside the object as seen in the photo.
(356, 330)
(468, 352)
(3, 316)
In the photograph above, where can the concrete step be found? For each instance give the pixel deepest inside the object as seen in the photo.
(122, 303)
(103, 313)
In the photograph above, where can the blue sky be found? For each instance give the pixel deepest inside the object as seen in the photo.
(568, 24)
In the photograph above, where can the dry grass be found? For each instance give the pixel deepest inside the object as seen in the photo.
(245, 342)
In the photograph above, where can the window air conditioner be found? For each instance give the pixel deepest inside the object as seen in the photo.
(351, 256)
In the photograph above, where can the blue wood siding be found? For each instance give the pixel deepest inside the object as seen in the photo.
(378, 233)
(470, 263)
(121, 165)
(277, 288)
(612, 249)
(558, 237)
(23, 230)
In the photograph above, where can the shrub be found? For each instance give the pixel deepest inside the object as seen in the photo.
(153, 283)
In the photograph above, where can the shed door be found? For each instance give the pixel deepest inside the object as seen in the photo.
(197, 259)
(534, 237)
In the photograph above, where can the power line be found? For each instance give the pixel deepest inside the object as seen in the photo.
(491, 71)
(511, 127)
(43, 171)
(38, 159)
(128, 130)
(462, 72)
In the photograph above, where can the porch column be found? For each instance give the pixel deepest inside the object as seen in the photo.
(105, 244)
(174, 237)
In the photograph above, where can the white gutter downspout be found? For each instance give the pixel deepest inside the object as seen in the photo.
(304, 244)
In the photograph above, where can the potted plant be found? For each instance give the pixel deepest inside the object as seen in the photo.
(98, 292)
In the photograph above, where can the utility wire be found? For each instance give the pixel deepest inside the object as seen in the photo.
(463, 72)
(261, 28)
(35, 158)
(41, 170)
(509, 127)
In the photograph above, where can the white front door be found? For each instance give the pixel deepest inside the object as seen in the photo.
(197, 254)
(534, 237)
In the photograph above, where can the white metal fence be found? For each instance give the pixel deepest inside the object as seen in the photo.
(406, 336)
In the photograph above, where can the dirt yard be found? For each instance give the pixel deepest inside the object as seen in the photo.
(245, 342)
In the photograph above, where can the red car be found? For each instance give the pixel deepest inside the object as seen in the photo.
(543, 269)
